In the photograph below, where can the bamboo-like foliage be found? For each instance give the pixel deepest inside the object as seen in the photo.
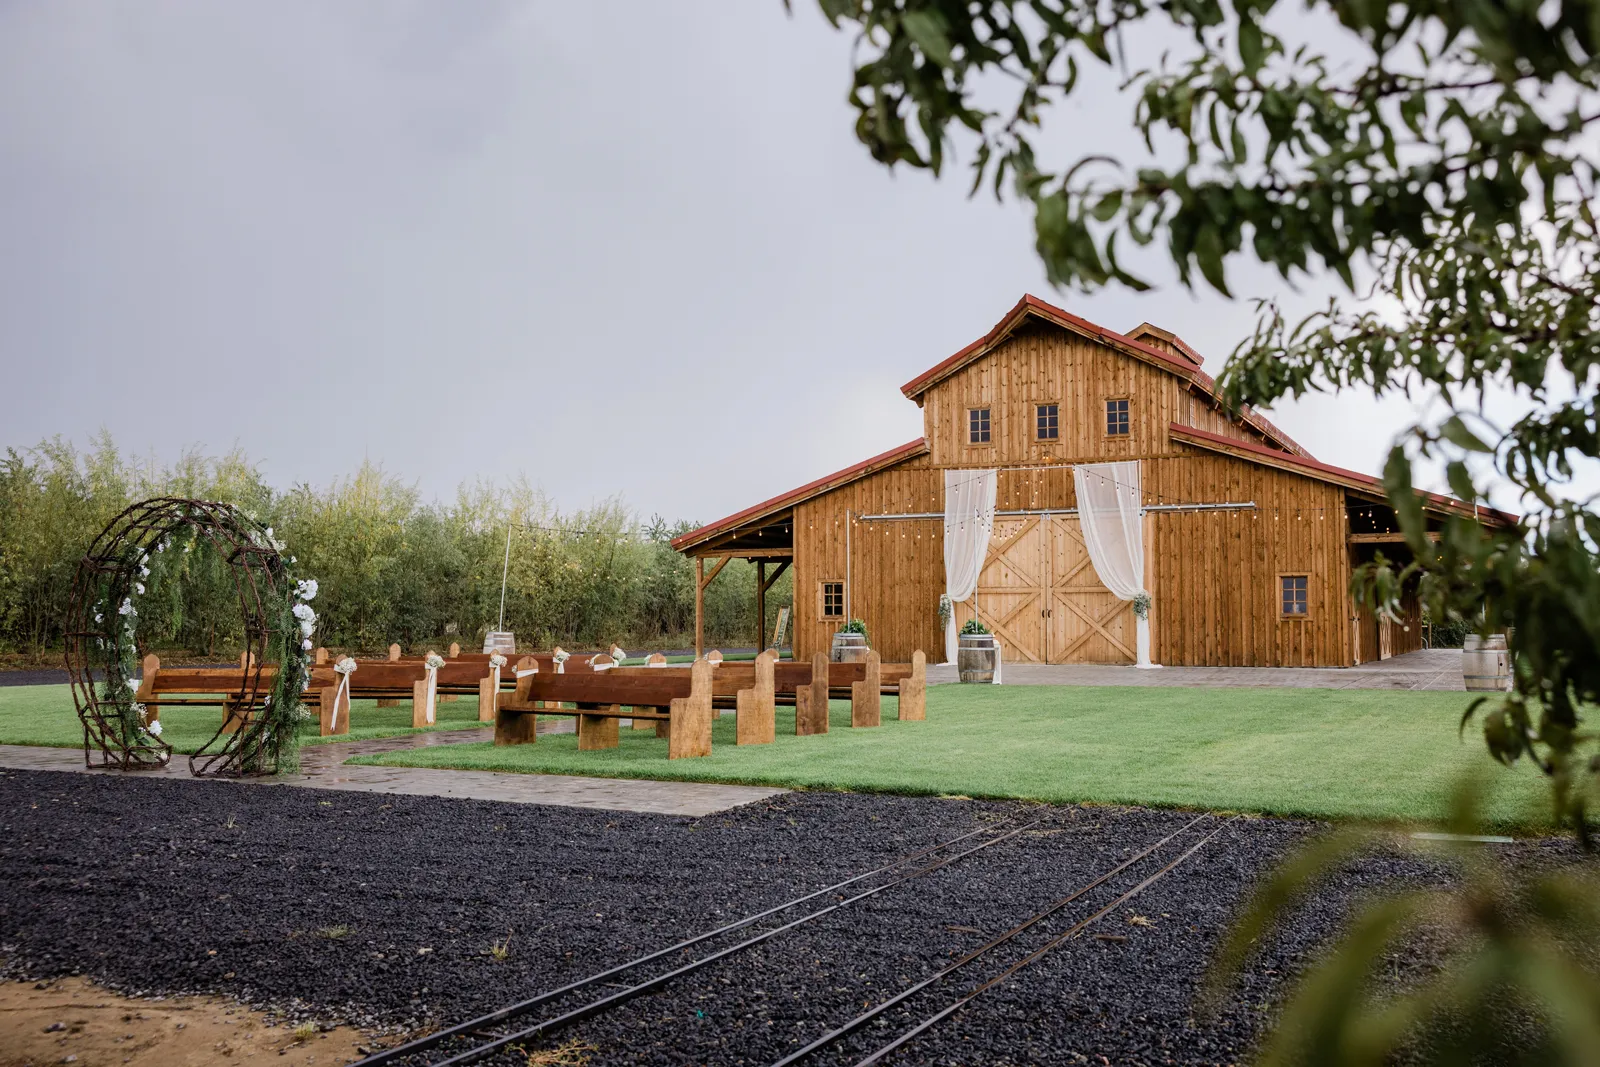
(391, 565)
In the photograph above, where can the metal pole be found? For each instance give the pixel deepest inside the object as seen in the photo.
(505, 571)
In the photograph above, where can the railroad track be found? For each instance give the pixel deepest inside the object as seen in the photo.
(984, 952)
(479, 1038)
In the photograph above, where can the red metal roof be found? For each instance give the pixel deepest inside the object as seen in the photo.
(1031, 305)
(1339, 475)
(805, 492)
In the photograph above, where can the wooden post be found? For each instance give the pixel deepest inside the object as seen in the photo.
(914, 690)
(598, 731)
(335, 719)
(419, 704)
(147, 687)
(699, 605)
(756, 715)
(394, 652)
(515, 727)
(689, 732)
(488, 695)
(866, 701)
(811, 701)
(761, 605)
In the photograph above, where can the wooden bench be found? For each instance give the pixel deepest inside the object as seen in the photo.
(228, 687)
(679, 700)
(808, 687)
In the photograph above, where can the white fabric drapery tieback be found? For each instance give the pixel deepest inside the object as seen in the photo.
(344, 668)
(432, 665)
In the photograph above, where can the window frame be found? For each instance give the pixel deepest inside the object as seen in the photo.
(988, 410)
(822, 599)
(1128, 400)
(1285, 616)
(1037, 439)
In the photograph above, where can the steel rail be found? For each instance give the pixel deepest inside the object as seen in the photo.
(867, 1016)
(423, 1044)
(1074, 931)
(597, 1006)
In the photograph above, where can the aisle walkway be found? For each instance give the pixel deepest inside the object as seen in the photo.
(322, 767)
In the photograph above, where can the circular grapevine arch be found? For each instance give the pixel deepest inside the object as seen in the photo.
(103, 618)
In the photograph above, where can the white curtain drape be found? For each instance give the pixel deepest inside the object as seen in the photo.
(968, 521)
(1111, 515)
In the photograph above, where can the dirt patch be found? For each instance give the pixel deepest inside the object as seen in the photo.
(75, 1021)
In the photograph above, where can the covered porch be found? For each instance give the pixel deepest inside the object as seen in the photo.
(768, 542)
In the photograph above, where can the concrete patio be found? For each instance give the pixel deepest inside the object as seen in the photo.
(1429, 669)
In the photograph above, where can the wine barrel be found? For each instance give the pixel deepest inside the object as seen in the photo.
(975, 658)
(849, 648)
(1485, 664)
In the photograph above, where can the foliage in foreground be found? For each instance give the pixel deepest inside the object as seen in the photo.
(391, 566)
(1441, 152)
(1519, 985)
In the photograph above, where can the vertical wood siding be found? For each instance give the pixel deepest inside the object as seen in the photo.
(1215, 575)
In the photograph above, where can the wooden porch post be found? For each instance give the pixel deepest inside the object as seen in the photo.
(761, 606)
(699, 606)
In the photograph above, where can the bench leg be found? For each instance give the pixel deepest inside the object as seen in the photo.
(488, 698)
(515, 727)
(913, 700)
(598, 731)
(643, 724)
(866, 709)
(388, 702)
(755, 724)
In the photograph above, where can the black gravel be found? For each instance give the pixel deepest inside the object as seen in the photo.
(383, 911)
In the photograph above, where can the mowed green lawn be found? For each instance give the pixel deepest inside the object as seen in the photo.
(1366, 754)
(44, 715)
(1317, 752)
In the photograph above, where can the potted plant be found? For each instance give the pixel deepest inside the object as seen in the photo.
(850, 643)
(976, 653)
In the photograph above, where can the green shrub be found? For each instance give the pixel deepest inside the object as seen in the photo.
(973, 626)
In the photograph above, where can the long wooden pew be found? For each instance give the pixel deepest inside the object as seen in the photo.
(601, 699)
(226, 688)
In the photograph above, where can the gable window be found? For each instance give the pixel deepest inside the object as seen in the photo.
(1116, 418)
(1047, 418)
(1292, 603)
(977, 426)
(833, 600)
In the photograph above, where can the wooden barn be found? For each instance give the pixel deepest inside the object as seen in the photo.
(1248, 541)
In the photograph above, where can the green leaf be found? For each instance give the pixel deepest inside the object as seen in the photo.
(928, 30)
(1252, 49)
(1455, 431)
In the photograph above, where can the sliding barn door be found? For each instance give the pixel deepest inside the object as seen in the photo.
(1012, 587)
(1086, 623)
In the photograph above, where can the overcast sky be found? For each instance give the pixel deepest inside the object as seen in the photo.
(619, 247)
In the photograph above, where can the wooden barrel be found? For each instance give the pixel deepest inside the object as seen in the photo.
(849, 648)
(975, 656)
(1485, 664)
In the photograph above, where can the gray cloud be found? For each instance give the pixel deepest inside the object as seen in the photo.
(618, 247)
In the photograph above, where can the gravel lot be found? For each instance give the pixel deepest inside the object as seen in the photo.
(383, 910)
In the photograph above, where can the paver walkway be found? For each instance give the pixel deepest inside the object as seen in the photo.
(322, 767)
(1438, 668)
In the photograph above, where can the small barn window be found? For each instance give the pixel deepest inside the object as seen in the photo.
(1116, 418)
(977, 426)
(833, 600)
(1049, 423)
(1292, 602)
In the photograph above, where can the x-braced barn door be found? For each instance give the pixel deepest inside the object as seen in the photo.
(1086, 622)
(1010, 598)
(1039, 594)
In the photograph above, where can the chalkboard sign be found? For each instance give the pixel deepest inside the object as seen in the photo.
(780, 631)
